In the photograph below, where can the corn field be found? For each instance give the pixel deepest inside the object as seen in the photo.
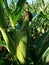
(24, 40)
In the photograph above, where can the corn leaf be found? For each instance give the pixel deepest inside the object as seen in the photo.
(2, 44)
(2, 16)
(46, 55)
(41, 41)
(9, 42)
(7, 10)
(18, 9)
(41, 46)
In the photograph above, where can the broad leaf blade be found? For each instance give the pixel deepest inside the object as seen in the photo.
(18, 9)
(2, 15)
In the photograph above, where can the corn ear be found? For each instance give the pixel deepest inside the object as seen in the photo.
(21, 47)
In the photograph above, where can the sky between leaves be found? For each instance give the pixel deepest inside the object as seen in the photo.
(29, 1)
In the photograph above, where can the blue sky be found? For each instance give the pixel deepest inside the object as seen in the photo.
(30, 1)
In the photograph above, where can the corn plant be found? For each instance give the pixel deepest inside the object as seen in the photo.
(30, 44)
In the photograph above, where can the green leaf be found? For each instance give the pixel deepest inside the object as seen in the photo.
(18, 9)
(41, 46)
(46, 55)
(41, 42)
(43, 2)
(4, 61)
(7, 11)
(2, 16)
(2, 43)
(9, 42)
